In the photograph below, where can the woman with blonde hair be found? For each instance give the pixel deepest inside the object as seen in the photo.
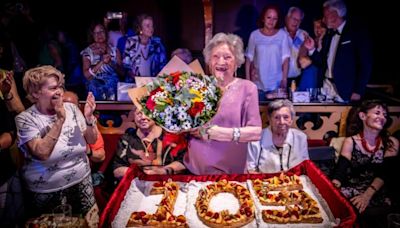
(52, 136)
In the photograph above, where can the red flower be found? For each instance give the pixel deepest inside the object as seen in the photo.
(196, 108)
(150, 104)
(179, 140)
(176, 76)
(155, 91)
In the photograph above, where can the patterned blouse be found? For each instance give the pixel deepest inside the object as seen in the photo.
(104, 84)
(132, 56)
(67, 164)
(106, 70)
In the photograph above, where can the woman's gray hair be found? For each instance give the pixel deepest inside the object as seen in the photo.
(278, 104)
(338, 6)
(234, 42)
(294, 9)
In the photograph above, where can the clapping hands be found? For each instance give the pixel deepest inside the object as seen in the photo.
(309, 43)
(58, 104)
(90, 106)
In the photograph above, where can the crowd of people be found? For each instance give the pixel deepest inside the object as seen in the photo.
(57, 140)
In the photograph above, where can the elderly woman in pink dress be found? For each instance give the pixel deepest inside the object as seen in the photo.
(221, 146)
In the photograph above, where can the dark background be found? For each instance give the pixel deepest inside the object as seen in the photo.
(180, 23)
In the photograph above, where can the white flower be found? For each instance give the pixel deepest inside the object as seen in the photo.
(182, 116)
(175, 115)
(208, 106)
(186, 125)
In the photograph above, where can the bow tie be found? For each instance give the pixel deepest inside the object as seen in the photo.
(334, 32)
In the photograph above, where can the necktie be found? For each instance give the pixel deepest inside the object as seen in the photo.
(337, 32)
(333, 32)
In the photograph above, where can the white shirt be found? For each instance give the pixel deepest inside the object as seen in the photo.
(328, 88)
(268, 53)
(332, 51)
(67, 164)
(264, 157)
(294, 45)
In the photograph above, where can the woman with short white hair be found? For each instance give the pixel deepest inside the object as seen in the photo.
(281, 147)
(221, 146)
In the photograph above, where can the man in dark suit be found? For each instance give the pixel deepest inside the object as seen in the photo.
(345, 59)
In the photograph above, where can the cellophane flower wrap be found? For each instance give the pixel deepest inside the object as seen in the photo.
(181, 101)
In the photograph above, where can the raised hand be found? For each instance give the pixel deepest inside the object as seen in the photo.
(309, 43)
(58, 104)
(107, 58)
(90, 106)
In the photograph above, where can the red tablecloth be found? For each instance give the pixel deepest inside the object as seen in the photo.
(337, 203)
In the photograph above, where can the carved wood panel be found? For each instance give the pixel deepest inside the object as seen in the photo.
(314, 120)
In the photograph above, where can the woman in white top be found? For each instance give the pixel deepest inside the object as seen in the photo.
(281, 147)
(52, 135)
(267, 54)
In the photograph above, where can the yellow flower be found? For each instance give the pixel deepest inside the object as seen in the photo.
(198, 96)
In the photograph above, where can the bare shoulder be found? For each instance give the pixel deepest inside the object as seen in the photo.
(350, 140)
(347, 147)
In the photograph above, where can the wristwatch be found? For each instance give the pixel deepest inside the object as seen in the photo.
(91, 124)
(236, 134)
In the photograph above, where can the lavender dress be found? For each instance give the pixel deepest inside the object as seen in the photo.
(238, 108)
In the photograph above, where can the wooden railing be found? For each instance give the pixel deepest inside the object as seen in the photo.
(314, 119)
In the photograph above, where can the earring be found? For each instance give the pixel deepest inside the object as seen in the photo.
(140, 32)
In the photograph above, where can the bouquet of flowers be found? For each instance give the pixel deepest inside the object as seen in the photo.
(181, 101)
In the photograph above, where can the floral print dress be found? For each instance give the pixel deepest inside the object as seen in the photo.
(363, 171)
(132, 57)
(104, 84)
